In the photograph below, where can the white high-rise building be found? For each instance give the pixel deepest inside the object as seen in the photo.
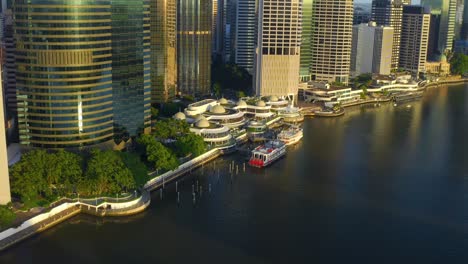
(277, 58)
(371, 49)
(4, 178)
(332, 37)
(246, 19)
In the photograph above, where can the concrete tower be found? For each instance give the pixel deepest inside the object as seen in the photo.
(277, 62)
(4, 175)
(390, 13)
(331, 40)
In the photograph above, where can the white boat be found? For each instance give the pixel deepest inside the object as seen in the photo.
(264, 155)
(291, 135)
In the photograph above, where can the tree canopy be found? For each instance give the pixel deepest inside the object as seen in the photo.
(170, 129)
(190, 144)
(161, 157)
(230, 77)
(106, 173)
(459, 64)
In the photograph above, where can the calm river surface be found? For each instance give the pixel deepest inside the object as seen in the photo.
(378, 185)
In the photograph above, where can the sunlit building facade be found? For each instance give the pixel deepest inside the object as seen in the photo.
(277, 57)
(331, 40)
(83, 71)
(163, 50)
(448, 11)
(64, 72)
(194, 46)
(306, 42)
(390, 13)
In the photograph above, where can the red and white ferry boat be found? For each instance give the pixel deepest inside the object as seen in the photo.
(264, 155)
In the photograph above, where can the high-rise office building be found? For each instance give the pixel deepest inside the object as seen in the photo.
(229, 33)
(414, 39)
(331, 40)
(432, 46)
(9, 75)
(81, 78)
(64, 72)
(163, 17)
(389, 13)
(371, 49)
(448, 11)
(306, 43)
(4, 175)
(246, 34)
(277, 57)
(131, 80)
(194, 46)
(464, 30)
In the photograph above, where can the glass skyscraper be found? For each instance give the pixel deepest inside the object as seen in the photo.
(306, 43)
(83, 71)
(131, 78)
(448, 11)
(64, 72)
(163, 50)
(194, 46)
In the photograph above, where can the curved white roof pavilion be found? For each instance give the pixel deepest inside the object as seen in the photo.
(215, 135)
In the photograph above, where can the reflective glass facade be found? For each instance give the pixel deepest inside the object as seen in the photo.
(194, 46)
(163, 50)
(306, 43)
(131, 80)
(64, 72)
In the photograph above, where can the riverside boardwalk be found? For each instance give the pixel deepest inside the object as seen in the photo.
(189, 166)
(66, 208)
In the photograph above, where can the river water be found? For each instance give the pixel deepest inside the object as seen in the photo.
(378, 185)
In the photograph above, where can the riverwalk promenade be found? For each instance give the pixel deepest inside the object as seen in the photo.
(66, 208)
(130, 204)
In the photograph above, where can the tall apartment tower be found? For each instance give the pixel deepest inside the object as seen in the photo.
(194, 46)
(389, 13)
(306, 43)
(371, 49)
(246, 37)
(84, 80)
(448, 11)
(163, 17)
(4, 175)
(277, 56)
(331, 40)
(414, 39)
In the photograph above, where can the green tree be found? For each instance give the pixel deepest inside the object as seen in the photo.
(28, 176)
(106, 173)
(459, 64)
(170, 129)
(161, 157)
(69, 167)
(6, 216)
(190, 144)
(157, 154)
(240, 94)
(217, 89)
(136, 166)
(154, 113)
